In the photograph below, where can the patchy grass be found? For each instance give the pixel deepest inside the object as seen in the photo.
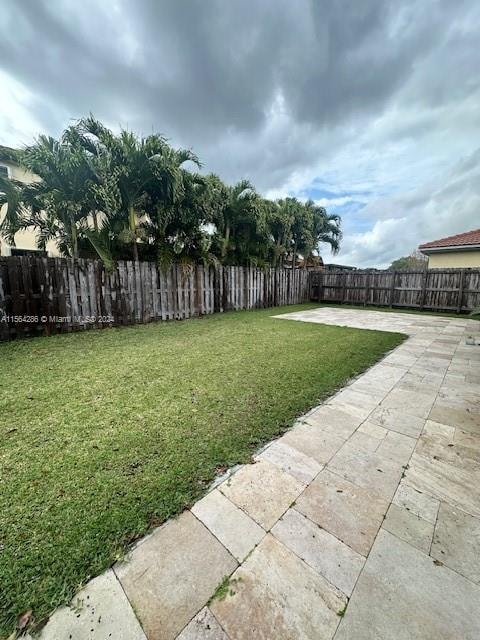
(226, 587)
(105, 434)
(417, 312)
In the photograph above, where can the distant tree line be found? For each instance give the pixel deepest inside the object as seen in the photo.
(121, 196)
(416, 260)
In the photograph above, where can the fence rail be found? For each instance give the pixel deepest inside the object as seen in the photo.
(455, 290)
(47, 295)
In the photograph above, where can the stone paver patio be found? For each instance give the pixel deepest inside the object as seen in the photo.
(362, 522)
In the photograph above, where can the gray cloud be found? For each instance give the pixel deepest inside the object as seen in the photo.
(375, 95)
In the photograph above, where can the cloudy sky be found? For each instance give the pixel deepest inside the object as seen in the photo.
(370, 107)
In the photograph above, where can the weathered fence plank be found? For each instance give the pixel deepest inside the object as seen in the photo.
(455, 290)
(59, 295)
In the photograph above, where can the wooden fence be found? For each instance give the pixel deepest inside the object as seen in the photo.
(455, 290)
(47, 295)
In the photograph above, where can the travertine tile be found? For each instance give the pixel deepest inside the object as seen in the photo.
(263, 491)
(396, 447)
(457, 483)
(170, 576)
(364, 442)
(332, 420)
(203, 627)
(419, 503)
(383, 376)
(337, 562)
(99, 611)
(356, 410)
(434, 429)
(459, 400)
(412, 402)
(291, 460)
(235, 530)
(371, 390)
(367, 470)
(414, 381)
(372, 429)
(315, 443)
(409, 527)
(347, 511)
(405, 360)
(274, 594)
(460, 418)
(397, 420)
(456, 542)
(469, 442)
(402, 595)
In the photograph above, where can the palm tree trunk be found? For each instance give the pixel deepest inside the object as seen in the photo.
(74, 236)
(226, 240)
(294, 259)
(135, 250)
(132, 223)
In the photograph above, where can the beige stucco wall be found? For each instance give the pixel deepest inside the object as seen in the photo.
(23, 239)
(454, 260)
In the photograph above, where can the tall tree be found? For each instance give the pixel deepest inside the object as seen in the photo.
(56, 205)
(131, 171)
(326, 229)
(280, 216)
(237, 222)
(179, 230)
(119, 192)
(415, 260)
(301, 229)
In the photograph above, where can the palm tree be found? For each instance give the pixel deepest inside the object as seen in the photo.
(57, 204)
(238, 222)
(132, 172)
(326, 227)
(282, 228)
(299, 228)
(108, 191)
(299, 238)
(179, 229)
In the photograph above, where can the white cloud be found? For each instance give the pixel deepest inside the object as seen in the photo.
(448, 205)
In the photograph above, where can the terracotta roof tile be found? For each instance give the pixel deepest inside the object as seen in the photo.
(461, 239)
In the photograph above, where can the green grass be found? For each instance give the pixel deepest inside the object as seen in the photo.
(105, 434)
(417, 312)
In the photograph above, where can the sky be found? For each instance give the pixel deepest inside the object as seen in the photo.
(369, 107)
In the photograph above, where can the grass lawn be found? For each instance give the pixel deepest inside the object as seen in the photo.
(105, 434)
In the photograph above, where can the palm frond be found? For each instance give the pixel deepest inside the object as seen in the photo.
(97, 240)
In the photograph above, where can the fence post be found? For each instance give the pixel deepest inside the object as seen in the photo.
(392, 288)
(460, 290)
(344, 282)
(216, 290)
(424, 289)
(367, 284)
(4, 328)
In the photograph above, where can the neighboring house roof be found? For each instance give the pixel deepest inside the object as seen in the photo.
(462, 241)
(313, 261)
